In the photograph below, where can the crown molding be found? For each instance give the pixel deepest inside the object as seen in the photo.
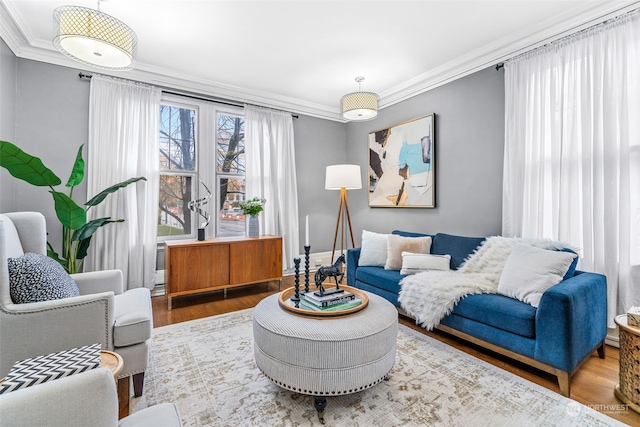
(18, 38)
(10, 32)
(168, 79)
(508, 47)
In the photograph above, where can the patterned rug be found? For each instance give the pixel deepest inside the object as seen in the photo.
(206, 367)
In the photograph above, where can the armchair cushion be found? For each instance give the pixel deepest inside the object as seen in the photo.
(36, 277)
(133, 317)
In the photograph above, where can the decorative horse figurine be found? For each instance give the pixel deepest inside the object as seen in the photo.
(334, 270)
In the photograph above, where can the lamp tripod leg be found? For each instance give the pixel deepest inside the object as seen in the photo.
(346, 208)
(335, 237)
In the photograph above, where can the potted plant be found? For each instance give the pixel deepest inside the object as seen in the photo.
(76, 231)
(252, 208)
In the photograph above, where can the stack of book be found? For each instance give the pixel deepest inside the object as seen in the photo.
(331, 302)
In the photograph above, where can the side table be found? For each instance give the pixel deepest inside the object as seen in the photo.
(628, 389)
(112, 361)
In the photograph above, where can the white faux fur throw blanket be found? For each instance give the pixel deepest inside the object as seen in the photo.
(431, 295)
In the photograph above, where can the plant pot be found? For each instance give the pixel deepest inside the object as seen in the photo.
(253, 228)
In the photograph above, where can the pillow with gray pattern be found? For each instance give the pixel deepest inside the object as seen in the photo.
(36, 277)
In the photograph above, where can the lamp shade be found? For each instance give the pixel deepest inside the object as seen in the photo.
(359, 106)
(343, 176)
(94, 38)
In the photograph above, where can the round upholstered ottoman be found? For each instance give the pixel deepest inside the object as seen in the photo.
(325, 357)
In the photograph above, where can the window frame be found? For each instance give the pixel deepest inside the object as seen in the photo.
(206, 169)
(221, 175)
(172, 101)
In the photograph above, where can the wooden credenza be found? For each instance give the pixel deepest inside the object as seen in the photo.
(220, 263)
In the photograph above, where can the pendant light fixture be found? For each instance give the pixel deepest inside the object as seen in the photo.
(94, 38)
(359, 106)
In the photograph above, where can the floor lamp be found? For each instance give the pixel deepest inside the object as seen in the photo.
(343, 178)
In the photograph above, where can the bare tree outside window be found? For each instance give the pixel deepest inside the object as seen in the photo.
(177, 169)
(231, 171)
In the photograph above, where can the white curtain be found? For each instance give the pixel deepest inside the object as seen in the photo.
(572, 151)
(123, 143)
(271, 174)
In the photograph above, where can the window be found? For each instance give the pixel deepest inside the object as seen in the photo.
(200, 141)
(230, 168)
(177, 169)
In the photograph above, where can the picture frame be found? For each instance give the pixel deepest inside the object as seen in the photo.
(402, 165)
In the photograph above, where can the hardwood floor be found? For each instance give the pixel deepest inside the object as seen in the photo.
(592, 385)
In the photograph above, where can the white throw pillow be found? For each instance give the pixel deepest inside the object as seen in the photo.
(529, 271)
(414, 263)
(397, 244)
(374, 249)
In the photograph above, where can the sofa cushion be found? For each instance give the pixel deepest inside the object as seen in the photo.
(529, 271)
(133, 317)
(381, 278)
(36, 278)
(500, 312)
(374, 249)
(459, 247)
(413, 263)
(398, 244)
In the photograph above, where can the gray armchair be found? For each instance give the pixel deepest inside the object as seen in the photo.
(86, 399)
(103, 313)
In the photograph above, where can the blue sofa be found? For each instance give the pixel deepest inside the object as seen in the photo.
(568, 325)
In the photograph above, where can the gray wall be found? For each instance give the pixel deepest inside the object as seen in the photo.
(50, 108)
(319, 143)
(51, 122)
(8, 63)
(469, 153)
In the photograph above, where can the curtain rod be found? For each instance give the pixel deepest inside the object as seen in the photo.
(501, 64)
(199, 97)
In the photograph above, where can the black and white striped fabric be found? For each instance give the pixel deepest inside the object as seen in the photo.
(41, 369)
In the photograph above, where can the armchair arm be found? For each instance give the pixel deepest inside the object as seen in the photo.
(86, 399)
(34, 329)
(353, 255)
(571, 320)
(99, 281)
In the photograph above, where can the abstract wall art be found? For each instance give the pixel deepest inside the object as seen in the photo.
(402, 165)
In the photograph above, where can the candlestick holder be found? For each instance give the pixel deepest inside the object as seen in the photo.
(296, 282)
(307, 249)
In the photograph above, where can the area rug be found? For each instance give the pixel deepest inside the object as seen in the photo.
(206, 367)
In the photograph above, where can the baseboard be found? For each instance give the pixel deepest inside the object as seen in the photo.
(612, 340)
(158, 290)
(159, 277)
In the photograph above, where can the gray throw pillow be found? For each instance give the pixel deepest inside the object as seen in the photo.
(36, 277)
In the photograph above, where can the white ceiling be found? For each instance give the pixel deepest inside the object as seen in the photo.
(302, 56)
